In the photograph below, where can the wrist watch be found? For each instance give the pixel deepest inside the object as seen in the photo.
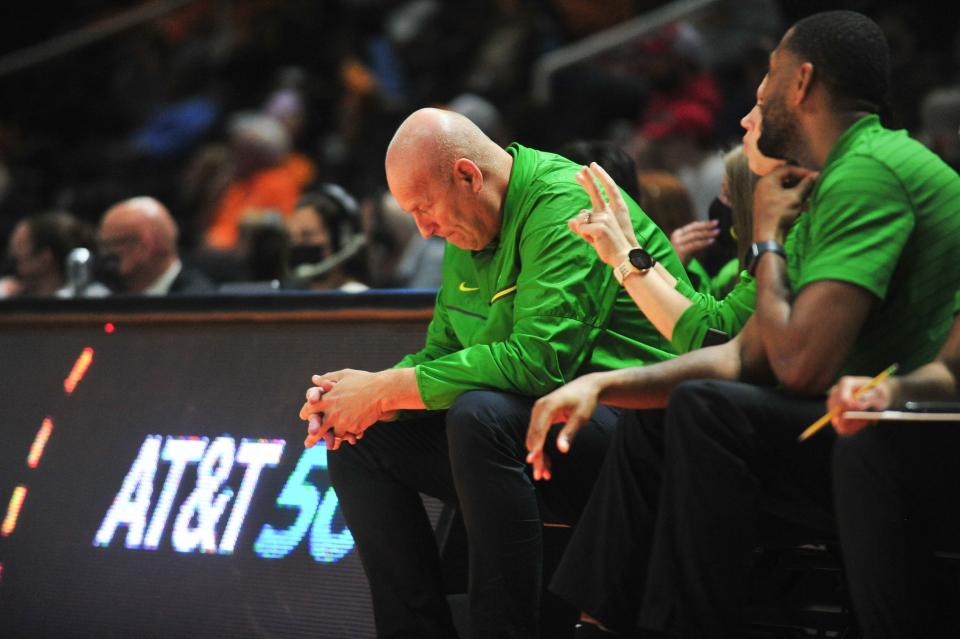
(637, 261)
(759, 248)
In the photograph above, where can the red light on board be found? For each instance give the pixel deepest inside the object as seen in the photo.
(109, 328)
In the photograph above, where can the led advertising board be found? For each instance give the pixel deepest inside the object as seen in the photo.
(153, 480)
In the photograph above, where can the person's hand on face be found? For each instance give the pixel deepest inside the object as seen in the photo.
(778, 199)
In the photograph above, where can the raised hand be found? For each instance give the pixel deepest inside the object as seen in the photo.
(606, 225)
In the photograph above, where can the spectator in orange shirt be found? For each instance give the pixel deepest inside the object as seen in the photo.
(262, 179)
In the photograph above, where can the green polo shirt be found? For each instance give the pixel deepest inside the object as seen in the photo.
(884, 215)
(537, 307)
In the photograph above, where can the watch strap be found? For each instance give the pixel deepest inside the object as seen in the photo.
(623, 269)
(759, 248)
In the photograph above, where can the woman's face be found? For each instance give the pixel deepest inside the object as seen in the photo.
(307, 228)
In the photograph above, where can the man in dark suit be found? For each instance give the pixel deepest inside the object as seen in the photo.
(138, 239)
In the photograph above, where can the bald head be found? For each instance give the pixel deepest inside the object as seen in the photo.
(432, 139)
(141, 233)
(147, 219)
(449, 175)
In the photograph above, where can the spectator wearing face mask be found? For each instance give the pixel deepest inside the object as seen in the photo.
(138, 247)
(327, 248)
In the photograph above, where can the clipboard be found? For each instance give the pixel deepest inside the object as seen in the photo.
(901, 416)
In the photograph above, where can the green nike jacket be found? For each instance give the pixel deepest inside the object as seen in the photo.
(537, 307)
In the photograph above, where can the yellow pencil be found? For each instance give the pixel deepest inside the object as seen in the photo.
(823, 421)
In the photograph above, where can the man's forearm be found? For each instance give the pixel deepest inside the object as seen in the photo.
(650, 386)
(807, 339)
(788, 337)
(773, 308)
(932, 382)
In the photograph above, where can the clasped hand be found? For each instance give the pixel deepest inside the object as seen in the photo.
(340, 406)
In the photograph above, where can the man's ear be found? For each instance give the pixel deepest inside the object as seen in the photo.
(804, 82)
(466, 173)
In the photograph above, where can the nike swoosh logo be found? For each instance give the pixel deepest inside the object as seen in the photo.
(467, 289)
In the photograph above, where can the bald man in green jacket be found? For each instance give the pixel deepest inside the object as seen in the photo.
(524, 307)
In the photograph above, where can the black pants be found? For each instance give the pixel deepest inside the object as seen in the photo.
(471, 456)
(665, 540)
(897, 490)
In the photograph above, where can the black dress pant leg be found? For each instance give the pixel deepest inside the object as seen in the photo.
(604, 567)
(486, 433)
(730, 453)
(473, 456)
(378, 482)
(897, 489)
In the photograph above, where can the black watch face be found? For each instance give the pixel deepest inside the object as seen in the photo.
(641, 259)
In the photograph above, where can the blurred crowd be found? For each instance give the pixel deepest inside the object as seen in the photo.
(236, 146)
